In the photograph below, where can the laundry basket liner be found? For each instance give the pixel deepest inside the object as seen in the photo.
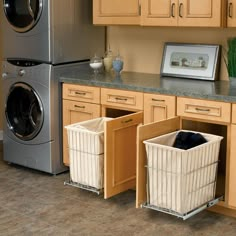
(86, 152)
(181, 180)
(87, 136)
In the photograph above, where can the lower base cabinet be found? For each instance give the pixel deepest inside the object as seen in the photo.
(125, 158)
(224, 181)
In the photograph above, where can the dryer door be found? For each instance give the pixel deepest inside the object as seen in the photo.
(23, 14)
(24, 111)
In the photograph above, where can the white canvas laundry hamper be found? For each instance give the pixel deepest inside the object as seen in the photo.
(86, 154)
(179, 181)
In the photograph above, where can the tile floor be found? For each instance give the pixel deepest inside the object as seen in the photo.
(34, 203)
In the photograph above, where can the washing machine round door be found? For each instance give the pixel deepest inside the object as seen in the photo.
(24, 111)
(23, 15)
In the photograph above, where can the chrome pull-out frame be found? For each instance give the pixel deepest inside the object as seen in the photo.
(187, 215)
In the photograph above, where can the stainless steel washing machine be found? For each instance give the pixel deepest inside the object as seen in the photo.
(52, 31)
(32, 125)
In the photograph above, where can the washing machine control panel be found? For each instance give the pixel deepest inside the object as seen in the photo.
(24, 63)
(38, 72)
(19, 68)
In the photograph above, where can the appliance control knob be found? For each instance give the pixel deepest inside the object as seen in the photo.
(4, 75)
(21, 72)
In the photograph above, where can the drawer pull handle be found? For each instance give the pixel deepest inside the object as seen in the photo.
(202, 109)
(230, 10)
(127, 121)
(82, 107)
(80, 93)
(172, 10)
(121, 99)
(158, 100)
(180, 9)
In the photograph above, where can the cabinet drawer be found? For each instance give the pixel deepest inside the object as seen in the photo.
(81, 93)
(122, 98)
(234, 113)
(204, 109)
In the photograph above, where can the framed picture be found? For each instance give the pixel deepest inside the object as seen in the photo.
(194, 61)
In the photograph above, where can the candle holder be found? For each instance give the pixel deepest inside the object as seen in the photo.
(96, 64)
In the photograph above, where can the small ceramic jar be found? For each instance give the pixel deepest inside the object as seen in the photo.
(108, 61)
(117, 64)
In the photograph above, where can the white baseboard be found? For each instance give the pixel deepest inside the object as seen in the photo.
(1, 135)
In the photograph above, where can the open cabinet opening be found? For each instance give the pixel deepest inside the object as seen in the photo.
(114, 112)
(215, 129)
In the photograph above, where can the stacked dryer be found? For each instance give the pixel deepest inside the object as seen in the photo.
(41, 40)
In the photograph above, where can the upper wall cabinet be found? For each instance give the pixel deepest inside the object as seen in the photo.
(116, 12)
(203, 13)
(199, 13)
(231, 13)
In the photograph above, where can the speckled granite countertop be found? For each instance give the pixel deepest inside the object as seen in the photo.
(216, 90)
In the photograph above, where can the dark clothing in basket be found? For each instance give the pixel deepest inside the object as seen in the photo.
(187, 140)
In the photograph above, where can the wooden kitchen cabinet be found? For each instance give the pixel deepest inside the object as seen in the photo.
(205, 116)
(231, 13)
(204, 109)
(212, 117)
(232, 161)
(158, 107)
(200, 13)
(121, 12)
(79, 103)
(159, 12)
(125, 107)
(126, 100)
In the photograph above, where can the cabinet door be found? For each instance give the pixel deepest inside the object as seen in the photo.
(231, 13)
(74, 112)
(120, 154)
(145, 132)
(232, 169)
(159, 12)
(116, 12)
(158, 107)
(200, 13)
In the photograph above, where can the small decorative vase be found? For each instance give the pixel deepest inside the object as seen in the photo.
(108, 61)
(117, 65)
(96, 64)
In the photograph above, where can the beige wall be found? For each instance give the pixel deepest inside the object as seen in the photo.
(142, 47)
